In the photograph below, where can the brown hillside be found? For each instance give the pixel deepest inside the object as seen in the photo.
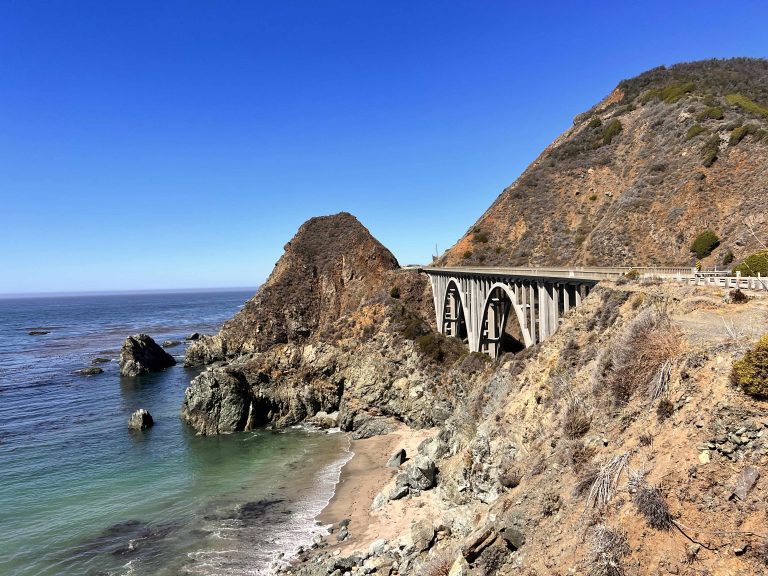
(665, 156)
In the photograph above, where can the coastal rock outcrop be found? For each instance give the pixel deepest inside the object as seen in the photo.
(330, 267)
(140, 420)
(325, 335)
(140, 354)
(217, 402)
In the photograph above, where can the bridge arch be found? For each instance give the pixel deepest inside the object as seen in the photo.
(454, 306)
(500, 299)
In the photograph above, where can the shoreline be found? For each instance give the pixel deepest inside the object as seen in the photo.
(362, 477)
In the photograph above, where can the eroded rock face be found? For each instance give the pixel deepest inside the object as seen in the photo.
(325, 335)
(217, 402)
(140, 354)
(329, 268)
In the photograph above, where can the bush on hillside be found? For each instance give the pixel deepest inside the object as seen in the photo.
(704, 243)
(653, 506)
(711, 113)
(467, 254)
(612, 130)
(753, 265)
(395, 292)
(710, 150)
(640, 353)
(595, 122)
(439, 348)
(750, 373)
(747, 105)
(480, 237)
(694, 131)
(669, 94)
(607, 549)
(727, 258)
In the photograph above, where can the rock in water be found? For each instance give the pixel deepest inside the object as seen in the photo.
(217, 402)
(92, 371)
(140, 420)
(141, 355)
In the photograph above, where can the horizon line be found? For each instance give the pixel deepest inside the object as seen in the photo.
(73, 293)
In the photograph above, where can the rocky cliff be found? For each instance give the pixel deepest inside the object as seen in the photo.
(330, 267)
(338, 329)
(667, 155)
(619, 446)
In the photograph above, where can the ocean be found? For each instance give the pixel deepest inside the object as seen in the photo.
(80, 494)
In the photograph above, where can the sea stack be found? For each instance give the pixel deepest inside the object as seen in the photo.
(140, 354)
(140, 420)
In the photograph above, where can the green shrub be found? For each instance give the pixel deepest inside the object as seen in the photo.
(439, 348)
(750, 373)
(669, 94)
(395, 292)
(727, 258)
(593, 197)
(704, 244)
(467, 254)
(747, 105)
(632, 275)
(481, 237)
(711, 113)
(694, 131)
(611, 131)
(738, 134)
(753, 265)
(595, 122)
(710, 150)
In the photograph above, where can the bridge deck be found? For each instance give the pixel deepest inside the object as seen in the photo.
(564, 273)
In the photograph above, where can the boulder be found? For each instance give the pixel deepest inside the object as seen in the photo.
(192, 337)
(421, 473)
(396, 459)
(38, 332)
(422, 534)
(218, 401)
(100, 360)
(92, 371)
(141, 355)
(140, 420)
(398, 492)
(379, 501)
(171, 343)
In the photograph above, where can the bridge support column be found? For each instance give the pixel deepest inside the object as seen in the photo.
(543, 307)
(532, 309)
(554, 295)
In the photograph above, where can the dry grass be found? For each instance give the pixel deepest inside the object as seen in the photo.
(650, 502)
(578, 417)
(510, 473)
(607, 478)
(607, 548)
(639, 356)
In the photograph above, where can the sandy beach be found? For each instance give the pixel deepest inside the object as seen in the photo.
(362, 478)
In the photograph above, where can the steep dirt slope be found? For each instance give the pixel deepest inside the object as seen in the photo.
(667, 155)
(617, 447)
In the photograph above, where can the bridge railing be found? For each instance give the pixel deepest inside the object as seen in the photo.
(577, 272)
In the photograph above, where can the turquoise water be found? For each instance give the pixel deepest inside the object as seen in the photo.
(80, 494)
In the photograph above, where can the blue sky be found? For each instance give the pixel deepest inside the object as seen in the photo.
(180, 144)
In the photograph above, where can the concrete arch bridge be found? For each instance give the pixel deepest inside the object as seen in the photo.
(508, 309)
